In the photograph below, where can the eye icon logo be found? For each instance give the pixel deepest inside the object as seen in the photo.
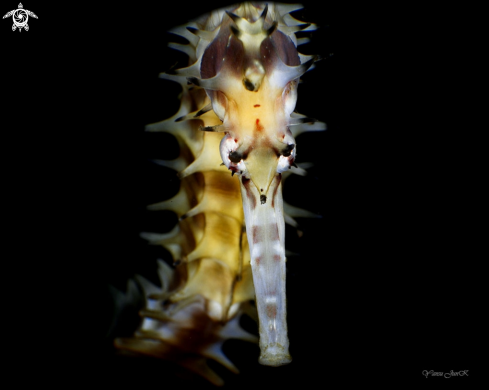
(20, 16)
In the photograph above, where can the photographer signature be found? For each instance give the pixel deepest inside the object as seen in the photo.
(427, 373)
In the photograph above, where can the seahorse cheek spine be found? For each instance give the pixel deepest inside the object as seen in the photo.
(242, 82)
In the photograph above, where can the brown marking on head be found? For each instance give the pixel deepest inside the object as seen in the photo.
(277, 184)
(258, 126)
(257, 233)
(274, 232)
(247, 151)
(249, 194)
(271, 310)
(256, 105)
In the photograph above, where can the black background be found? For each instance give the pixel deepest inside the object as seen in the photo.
(385, 285)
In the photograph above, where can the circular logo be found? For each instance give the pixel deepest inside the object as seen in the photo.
(20, 17)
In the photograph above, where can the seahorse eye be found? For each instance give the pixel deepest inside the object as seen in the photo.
(235, 157)
(288, 150)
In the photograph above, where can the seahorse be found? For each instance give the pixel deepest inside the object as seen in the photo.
(236, 130)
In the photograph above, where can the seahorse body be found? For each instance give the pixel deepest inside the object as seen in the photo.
(229, 244)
